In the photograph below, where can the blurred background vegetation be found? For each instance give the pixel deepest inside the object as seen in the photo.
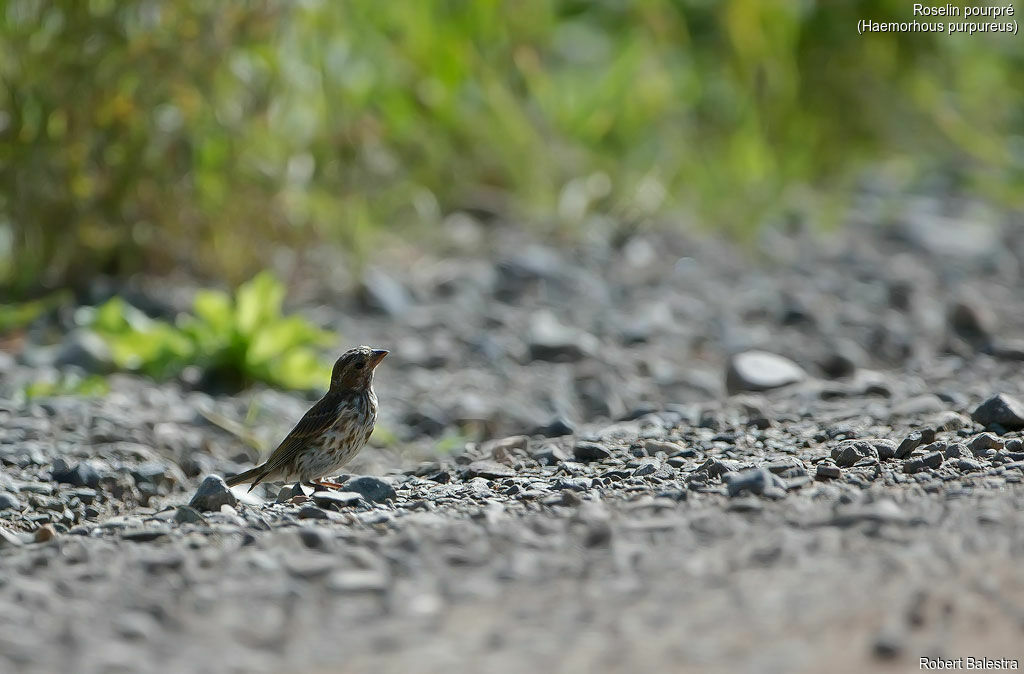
(199, 136)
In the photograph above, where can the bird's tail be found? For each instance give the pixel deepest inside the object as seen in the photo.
(254, 475)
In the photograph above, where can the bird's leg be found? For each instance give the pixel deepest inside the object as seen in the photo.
(325, 484)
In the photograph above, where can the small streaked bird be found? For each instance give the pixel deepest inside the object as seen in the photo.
(332, 432)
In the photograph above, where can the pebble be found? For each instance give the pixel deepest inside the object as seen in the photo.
(760, 481)
(79, 475)
(488, 469)
(827, 471)
(849, 452)
(590, 451)
(761, 371)
(556, 428)
(188, 515)
(371, 488)
(908, 445)
(1001, 409)
(337, 500)
(212, 494)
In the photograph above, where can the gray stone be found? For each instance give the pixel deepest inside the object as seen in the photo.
(590, 451)
(849, 452)
(288, 492)
(1001, 409)
(955, 450)
(9, 502)
(80, 475)
(759, 481)
(969, 465)
(490, 470)
(336, 500)
(826, 470)
(970, 319)
(980, 444)
(311, 512)
(761, 371)
(909, 444)
(555, 429)
(886, 448)
(212, 494)
(188, 515)
(371, 488)
(647, 467)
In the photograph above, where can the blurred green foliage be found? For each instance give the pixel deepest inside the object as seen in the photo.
(20, 314)
(66, 384)
(156, 135)
(232, 340)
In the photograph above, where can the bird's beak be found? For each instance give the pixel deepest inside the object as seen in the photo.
(378, 356)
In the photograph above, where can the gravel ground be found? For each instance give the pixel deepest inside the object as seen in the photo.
(658, 453)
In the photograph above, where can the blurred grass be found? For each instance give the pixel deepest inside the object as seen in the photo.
(198, 135)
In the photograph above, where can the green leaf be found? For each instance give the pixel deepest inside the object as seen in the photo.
(214, 308)
(258, 302)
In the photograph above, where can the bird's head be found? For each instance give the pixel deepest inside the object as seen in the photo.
(354, 370)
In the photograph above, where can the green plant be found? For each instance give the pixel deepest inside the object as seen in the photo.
(19, 315)
(233, 340)
(66, 384)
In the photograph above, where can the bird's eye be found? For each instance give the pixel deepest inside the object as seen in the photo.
(360, 366)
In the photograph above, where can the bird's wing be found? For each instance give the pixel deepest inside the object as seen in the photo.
(312, 425)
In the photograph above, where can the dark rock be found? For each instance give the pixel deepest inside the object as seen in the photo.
(372, 489)
(574, 483)
(955, 450)
(1001, 409)
(549, 455)
(336, 500)
(311, 512)
(917, 464)
(914, 465)
(849, 452)
(971, 320)
(886, 448)
(487, 469)
(80, 475)
(9, 502)
(590, 451)
(555, 429)
(288, 492)
(212, 494)
(715, 467)
(827, 470)
(189, 515)
(647, 467)
(756, 481)
(969, 465)
(909, 444)
(760, 371)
